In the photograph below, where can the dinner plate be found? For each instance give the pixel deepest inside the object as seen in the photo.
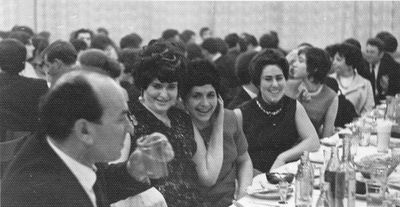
(361, 196)
(271, 194)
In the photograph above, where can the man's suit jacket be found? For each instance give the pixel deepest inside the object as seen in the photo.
(388, 67)
(19, 101)
(38, 177)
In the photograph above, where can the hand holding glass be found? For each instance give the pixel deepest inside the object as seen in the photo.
(156, 152)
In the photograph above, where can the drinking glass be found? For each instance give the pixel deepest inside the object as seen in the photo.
(156, 153)
(383, 129)
(365, 134)
(283, 191)
(375, 193)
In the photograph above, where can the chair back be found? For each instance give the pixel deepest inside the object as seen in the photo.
(8, 149)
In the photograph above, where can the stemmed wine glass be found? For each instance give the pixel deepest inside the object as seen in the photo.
(283, 180)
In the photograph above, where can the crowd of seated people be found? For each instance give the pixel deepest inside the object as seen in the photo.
(230, 107)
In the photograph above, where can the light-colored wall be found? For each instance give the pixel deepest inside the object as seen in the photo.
(320, 23)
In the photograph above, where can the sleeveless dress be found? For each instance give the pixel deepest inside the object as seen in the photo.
(318, 106)
(179, 188)
(268, 135)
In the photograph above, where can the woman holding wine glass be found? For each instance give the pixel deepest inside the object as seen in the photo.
(157, 75)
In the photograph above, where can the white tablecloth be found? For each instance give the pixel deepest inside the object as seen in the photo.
(251, 201)
(318, 158)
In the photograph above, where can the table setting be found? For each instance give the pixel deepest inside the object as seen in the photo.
(374, 147)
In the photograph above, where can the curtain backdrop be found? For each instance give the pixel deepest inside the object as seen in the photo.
(319, 23)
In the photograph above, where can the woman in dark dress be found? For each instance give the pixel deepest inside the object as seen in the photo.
(277, 127)
(157, 76)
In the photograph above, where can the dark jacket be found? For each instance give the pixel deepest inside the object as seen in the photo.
(38, 177)
(19, 101)
(388, 67)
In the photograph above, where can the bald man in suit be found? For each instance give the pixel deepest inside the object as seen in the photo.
(85, 119)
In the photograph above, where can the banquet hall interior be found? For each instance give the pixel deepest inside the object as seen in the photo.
(199, 103)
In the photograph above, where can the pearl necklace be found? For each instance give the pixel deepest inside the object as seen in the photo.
(269, 113)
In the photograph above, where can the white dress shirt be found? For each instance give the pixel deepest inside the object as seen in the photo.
(216, 56)
(85, 175)
(29, 71)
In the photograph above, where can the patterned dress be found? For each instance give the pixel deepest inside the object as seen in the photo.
(180, 187)
(270, 134)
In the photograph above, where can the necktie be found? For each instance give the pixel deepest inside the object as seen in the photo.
(101, 199)
(372, 78)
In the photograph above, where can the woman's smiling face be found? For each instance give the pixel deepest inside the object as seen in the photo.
(160, 96)
(201, 102)
(272, 84)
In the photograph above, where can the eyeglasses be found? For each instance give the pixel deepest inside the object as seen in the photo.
(132, 118)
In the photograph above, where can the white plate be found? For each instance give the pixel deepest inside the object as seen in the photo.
(271, 194)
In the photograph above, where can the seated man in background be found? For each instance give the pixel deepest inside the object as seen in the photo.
(19, 95)
(384, 71)
(97, 61)
(59, 58)
(389, 44)
(84, 118)
(83, 34)
(247, 90)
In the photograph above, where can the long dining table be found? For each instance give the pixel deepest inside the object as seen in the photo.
(317, 158)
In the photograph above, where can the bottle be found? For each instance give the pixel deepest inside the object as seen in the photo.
(325, 197)
(330, 171)
(345, 187)
(304, 182)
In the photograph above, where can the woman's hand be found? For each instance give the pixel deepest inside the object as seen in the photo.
(304, 95)
(240, 194)
(218, 117)
(278, 162)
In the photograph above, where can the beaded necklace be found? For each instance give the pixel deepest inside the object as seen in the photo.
(269, 113)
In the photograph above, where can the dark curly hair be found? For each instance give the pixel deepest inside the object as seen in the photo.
(318, 63)
(351, 53)
(199, 73)
(161, 60)
(264, 58)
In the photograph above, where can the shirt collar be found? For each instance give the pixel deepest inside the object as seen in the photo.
(85, 175)
(216, 56)
(250, 93)
(376, 69)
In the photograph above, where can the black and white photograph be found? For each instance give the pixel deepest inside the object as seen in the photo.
(127, 103)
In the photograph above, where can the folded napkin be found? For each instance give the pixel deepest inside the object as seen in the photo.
(290, 167)
(332, 140)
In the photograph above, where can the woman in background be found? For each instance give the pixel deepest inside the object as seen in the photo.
(320, 102)
(277, 127)
(354, 87)
(201, 95)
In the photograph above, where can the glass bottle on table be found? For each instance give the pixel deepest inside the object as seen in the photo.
(304, 182)
(345, 180)
(330, 171)
(325, 197)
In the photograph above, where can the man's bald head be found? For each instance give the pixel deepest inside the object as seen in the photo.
(74, 96)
